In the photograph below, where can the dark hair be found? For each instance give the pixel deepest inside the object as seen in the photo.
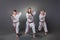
(43, 10)
(15, 10)
(29, 12)
(29, 8)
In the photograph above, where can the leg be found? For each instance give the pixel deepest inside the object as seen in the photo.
(17, 30)
(17, 27)
(33, 29)
(14, 25)
(40, 26)
(45, 28)
(27, 28)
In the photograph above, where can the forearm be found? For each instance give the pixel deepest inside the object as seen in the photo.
(34, 13)
(11, 18)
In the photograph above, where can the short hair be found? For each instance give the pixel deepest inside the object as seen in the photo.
(29, 8)
(43, 10)
(15, 10)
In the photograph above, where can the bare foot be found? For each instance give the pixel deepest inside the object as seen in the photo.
(34, 36)
(25, 33)
(46, 33)
(17, 37)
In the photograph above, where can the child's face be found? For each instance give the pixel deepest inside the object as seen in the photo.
(14, 13)
(42, 12)
(29, 10)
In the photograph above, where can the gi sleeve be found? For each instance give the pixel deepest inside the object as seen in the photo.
(34, 13)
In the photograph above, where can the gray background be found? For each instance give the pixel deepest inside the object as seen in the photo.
(53, 16)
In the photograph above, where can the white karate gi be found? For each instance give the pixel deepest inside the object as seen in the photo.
(15, 20)
(42, 18)
(30, 22)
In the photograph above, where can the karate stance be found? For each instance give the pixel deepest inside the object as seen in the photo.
(15, 19)
(30, 21)
(42, 22)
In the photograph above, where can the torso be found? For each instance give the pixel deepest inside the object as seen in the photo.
(30, 18)
(42, 17)
(15, 18)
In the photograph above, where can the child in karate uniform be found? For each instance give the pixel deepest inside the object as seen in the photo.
(30, 21)
(15, 19)
(42, 22)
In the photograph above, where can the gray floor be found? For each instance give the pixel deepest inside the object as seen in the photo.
(10, 35)
(39, 36)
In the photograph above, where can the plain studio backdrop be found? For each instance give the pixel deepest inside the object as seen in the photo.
(52, 8)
